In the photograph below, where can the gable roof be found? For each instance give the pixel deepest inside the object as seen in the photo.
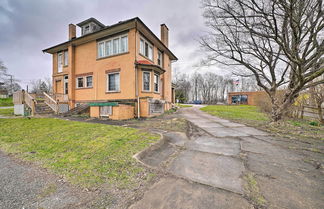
(122, 25)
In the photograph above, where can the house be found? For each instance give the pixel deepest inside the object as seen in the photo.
(122, 71)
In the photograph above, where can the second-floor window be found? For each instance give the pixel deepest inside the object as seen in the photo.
(160, 59)
(60, 62)
(66, 58)
(146, 49)
(113, 46)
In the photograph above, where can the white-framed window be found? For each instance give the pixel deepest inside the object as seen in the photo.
(113, 46)
(89, 81)
(113, 82)
(156, 82)
(160, 59)
(66, 58)
(146, 81)
(60, 62)
(80, 82)
(146, 49)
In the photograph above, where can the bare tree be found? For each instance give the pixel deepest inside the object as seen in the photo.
(41, 85)
(279, 42)
(8, 81)
(183, 87)
(317, 96)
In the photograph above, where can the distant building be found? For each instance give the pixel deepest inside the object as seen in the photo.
(245, 97)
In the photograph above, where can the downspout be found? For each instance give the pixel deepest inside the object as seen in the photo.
(136, 73)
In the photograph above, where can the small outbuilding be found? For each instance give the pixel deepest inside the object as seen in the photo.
(245, 97)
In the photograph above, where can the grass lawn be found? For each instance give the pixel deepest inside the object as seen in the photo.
(250, 115)
(7, 112)
(184, 105)
(85, 153)
(236, 112)
(5, 102)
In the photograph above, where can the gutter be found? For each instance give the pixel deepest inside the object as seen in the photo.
(136, 74)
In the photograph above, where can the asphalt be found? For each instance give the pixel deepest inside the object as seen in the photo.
(26, 186)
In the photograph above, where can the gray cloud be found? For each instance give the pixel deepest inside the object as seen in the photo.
(30, 26)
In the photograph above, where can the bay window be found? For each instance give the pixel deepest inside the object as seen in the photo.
(156, 82)
(146, 81)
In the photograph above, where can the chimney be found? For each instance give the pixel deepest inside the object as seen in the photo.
(165, 35)
(72, 31)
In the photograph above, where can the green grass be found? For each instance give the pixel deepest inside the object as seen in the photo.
(7, 112)
(5, 102)
(184, 105)
(236, 112)
(86, 154)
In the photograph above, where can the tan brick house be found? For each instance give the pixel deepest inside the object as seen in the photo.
(113, 69)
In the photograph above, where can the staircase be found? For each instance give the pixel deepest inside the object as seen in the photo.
(77, 110)
(43, 109)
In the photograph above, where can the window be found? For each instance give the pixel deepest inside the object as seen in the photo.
(113, 82)
(116, 45)
(80, 82)
(160, 59)
(86, 29)
(101, 49)
(89, 81)
(66, 84)
(124, 44)
(156, 82)
(66, 57)
(60, 62)
(146, 49)
(146, 81)
(105, 111)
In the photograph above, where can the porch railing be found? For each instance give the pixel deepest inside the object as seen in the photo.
(51, 102)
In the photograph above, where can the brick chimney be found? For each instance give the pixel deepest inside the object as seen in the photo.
(72, 31)
(165, 35)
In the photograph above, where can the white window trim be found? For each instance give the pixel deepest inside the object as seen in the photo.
(119, 47)
(143, 72)
(86, 83)
(60, 66)
(67, 59)
(161, 61)
(107, 88)
(77, 82)
(158, 82)
(149, 45)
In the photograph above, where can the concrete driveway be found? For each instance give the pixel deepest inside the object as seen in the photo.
(208, 169)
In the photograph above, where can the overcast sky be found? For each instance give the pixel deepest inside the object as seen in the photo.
(29, 26)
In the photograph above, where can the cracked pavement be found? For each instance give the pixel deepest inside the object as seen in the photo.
(207, 169)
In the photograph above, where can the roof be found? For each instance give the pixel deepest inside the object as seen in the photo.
(149, 65)
(54, 49)
(91, 19)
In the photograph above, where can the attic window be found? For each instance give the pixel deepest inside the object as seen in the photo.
(86, 29)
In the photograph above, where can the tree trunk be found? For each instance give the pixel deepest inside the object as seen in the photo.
(320, 113)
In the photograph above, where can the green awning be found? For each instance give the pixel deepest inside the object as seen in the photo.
(103, 104)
